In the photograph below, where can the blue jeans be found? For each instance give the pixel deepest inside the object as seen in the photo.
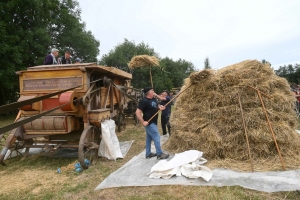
(152, 134)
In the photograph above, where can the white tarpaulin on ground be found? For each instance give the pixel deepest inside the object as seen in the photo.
(188, 164)
(109, 145)
(134, 173)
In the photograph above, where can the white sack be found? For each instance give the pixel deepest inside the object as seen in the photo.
(109, 145)
(187, 163)
(195, 171)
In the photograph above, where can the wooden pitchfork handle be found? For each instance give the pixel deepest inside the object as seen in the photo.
(170, 101)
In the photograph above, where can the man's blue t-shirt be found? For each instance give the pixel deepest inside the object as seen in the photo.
(166, 111)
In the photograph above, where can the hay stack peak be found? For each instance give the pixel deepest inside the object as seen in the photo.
(207, 117)
(143, 61)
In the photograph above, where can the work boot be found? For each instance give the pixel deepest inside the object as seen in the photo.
(163, 156)
(151, 155)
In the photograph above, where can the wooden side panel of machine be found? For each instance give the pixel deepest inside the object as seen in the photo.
(50, 80)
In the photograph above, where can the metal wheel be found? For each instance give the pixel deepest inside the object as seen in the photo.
(3, 137)
(88, 145)
(13, 141)
(9, 141)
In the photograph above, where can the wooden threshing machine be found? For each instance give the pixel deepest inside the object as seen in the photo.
(63, 106)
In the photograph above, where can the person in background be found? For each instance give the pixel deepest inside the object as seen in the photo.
(77, 61)
(50, 59)
(166, 113)
(147, 107)
(171, 95)
(66, 59)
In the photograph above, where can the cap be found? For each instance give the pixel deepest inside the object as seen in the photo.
(147, 89)
(77, 60)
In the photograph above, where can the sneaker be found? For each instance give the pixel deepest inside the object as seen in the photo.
(151, 155)
(163, 156)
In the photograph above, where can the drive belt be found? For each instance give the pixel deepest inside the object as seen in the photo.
(29, 119)
(9, 127)
(13, 106)
(26, 102)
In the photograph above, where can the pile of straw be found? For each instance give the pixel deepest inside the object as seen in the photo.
(142, 61)
(207, 117)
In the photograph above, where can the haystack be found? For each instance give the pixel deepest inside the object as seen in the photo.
(207, 117)
(143, 61)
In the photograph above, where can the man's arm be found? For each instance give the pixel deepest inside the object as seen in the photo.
(159, 97)
(138, 113)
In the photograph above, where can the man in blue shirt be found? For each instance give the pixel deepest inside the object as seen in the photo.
(165, 115)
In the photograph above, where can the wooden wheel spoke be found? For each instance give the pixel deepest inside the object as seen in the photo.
(86, 151)
(88, 145)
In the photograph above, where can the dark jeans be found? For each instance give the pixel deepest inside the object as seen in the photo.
(165, 124)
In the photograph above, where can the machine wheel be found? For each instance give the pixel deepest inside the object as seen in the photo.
(88, 145)
(9, 141)
(2, 145)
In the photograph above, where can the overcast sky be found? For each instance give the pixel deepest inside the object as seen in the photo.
(226, 32)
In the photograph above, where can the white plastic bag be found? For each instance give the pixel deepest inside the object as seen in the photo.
(109, 145)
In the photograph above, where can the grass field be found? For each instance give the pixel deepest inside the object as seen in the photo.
(36, 178)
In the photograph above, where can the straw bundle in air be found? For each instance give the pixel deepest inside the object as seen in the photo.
(207, 117)
(142, 61)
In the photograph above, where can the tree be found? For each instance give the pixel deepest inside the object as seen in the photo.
(265, 62)
(29, 29)
(121, 54)
(168, 75)
(72, 34)
(206, 63)
(290, 72)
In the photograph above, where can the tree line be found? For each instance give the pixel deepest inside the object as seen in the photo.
(290, 72)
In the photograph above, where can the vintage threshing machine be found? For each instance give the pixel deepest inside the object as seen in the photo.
(65, 107)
